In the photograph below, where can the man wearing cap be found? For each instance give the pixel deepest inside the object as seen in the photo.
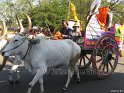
(76, 31)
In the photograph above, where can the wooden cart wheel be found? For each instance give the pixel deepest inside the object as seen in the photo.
(105, 56)
(84, 60)
(85, 56)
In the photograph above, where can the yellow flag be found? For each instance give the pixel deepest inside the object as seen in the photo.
(122, 29)
(73, 10)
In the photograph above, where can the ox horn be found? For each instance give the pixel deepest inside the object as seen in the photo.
(3, 64)
(20, 24)
(29, 22)
(4, 30)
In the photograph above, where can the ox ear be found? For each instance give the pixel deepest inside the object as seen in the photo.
(34, 41)
(23, 34)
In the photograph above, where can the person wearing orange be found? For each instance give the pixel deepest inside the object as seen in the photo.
(64, 33)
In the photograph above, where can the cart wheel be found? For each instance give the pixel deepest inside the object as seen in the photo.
(84, 60)
(105, 56)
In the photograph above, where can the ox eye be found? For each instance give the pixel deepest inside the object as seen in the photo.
(15, 41)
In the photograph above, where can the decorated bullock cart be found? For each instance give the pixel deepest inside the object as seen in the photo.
(100, 45)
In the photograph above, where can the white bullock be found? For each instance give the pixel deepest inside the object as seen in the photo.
(39, 54)
(11, 59)
(3, 42)
(15, 60)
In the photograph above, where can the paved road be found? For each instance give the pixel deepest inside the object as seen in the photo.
(54, 83)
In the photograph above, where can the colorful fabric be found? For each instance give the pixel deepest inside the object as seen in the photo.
(119, 35)
(57, 36)
(94, 32)
(101, 17)
(122, 40)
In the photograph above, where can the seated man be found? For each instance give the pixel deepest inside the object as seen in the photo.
(76, 31)
(65, 31)
(76, 34)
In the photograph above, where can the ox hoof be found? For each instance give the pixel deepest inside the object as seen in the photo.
(78, 81)
(11, 82)
(41, 92)
(64, 90)
(17, 81)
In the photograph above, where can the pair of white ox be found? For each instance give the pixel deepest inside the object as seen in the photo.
(3, 42)
(40, 53)
(4, 39)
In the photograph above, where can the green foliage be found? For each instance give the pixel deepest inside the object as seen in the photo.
(9, 8)
(82, 8)
(49, 14)
(118, 10)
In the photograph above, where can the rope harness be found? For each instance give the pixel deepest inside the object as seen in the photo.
(31, 42)
(20, 45)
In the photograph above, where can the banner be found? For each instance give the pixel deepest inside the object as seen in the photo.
(101, 17)
(94, 32)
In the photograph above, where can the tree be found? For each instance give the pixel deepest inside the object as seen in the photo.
(10, 8)
(82, 7)
(49, 14)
